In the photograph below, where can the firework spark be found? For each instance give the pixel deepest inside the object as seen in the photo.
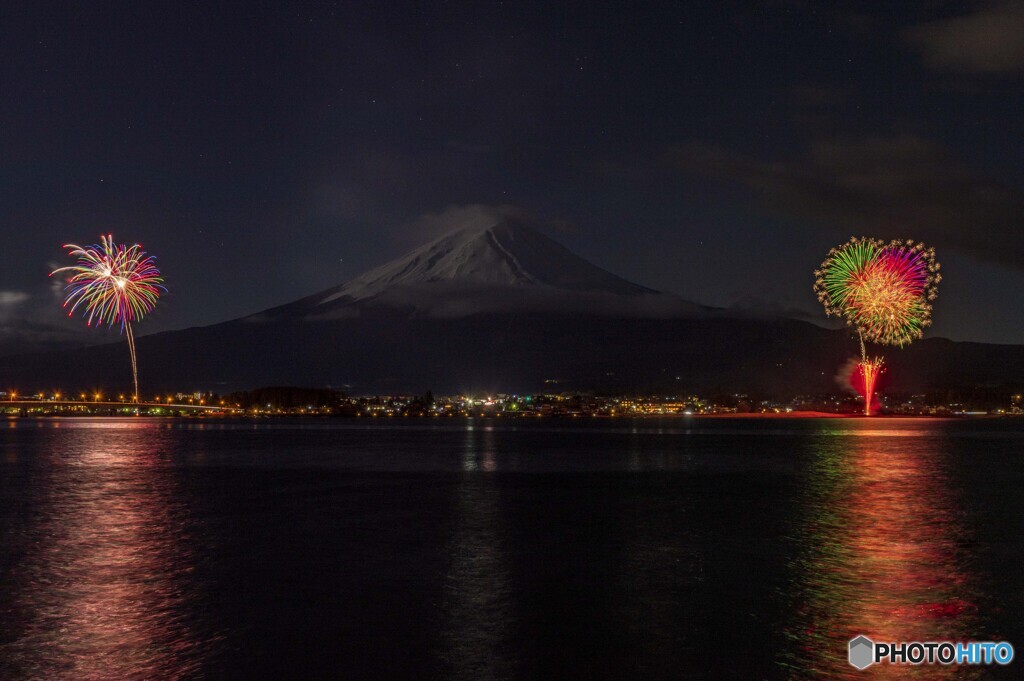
(113, 284)
(884, 290)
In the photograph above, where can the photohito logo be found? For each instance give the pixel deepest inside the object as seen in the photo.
(863, 652)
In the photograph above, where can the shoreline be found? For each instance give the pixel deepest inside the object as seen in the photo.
(795, 415)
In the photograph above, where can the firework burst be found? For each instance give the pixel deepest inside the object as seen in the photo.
(883, 290)
(112, 284)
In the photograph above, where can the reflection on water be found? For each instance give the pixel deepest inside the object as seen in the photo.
(103, 590)
(883, 555)
(661, 567)
(485, 550)
(477, 605)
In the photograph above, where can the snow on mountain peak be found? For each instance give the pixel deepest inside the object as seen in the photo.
(504, 254)
(507, 267)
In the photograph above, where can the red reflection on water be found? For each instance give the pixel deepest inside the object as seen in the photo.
(883, 557)
(104, 594)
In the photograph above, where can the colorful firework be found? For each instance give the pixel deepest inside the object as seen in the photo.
(883, 290)
(113, 284)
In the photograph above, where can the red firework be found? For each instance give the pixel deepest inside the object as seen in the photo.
(866, 378)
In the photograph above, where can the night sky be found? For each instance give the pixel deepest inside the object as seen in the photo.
(715, 150)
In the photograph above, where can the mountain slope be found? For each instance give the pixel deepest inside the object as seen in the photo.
(504, 267)
(505, 254)
(384, 352)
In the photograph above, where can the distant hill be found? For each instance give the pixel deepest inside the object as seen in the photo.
(506, 308)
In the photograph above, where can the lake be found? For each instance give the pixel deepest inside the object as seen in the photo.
(503, 549)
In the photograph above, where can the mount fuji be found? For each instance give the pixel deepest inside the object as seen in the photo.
(505, 308)
(506, 267)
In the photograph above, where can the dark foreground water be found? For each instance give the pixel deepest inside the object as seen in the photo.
(489, 549)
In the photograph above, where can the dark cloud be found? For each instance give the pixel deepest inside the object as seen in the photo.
(27, 321)
(10, 300)
(433, 224)
(761, 306)
(987, 41)
(885, 186)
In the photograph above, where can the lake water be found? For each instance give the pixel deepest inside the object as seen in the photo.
(495, 549)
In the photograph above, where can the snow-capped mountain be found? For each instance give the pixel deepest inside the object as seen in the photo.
(504, 267)
(505, 254)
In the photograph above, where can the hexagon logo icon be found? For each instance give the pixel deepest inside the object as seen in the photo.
(862, 652)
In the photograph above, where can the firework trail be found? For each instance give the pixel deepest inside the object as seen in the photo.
(869, 370)
(112, 284)
(884, 290)
(863, 378)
